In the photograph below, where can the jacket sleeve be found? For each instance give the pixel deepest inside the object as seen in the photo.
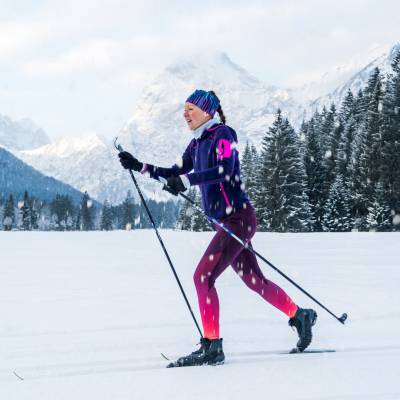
(224, 147)
(186, 165)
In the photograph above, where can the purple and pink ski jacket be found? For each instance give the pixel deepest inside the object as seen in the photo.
(214, 160)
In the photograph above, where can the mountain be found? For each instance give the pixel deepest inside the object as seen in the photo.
(358, 80)
(157, 132)
(16, 177)
(21, 135)
(87, 163)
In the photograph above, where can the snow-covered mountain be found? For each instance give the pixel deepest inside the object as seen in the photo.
(16, 177)
(22, 134)
(157, 130)
(157, 133)
(381, 58)
(88, 163)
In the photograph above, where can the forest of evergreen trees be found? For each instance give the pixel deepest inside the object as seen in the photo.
(340, 172)
(61, 214)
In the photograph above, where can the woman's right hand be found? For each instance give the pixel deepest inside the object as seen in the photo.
(128, 161)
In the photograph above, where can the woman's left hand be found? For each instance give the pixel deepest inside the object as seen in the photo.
(174, 185)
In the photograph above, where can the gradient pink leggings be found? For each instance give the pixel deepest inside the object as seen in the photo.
(224, 251)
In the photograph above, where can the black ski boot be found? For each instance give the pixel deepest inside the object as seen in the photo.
(303, 320)
(209, 353)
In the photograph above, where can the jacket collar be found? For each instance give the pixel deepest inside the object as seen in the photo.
(198, 132)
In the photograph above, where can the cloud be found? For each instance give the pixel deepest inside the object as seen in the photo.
(18, 36)
(94, 55)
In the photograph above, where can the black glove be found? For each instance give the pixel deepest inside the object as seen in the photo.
(129, 162)
(174, 185)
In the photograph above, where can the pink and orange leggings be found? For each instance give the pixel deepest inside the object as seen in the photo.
(224, 251)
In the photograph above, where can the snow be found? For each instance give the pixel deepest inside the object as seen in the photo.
(86, 316)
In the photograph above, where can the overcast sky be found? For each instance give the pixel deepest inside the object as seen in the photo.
(78, 66)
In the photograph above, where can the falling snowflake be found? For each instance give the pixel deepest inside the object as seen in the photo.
(396, 219)
(380, 106)
(21, 204)
(228, 210)
(227, 177)
(242, 186)
(89, 203)
(312, 159)
(237, 179)
(208, 300)
(211, 257)
(253, 280)
(328, 154)
(220, 169)
(128, 226)
(189, 212)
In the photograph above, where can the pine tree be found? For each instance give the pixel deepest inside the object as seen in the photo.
(34, 214)
(86, 213)
(106, 223)
(337, 217)
(199, 221)
(282, 179)
(249, 170)
(331, 134)
(25, 211)
(367, 154)
(379, 214)
(62, 210)
(128, 212)
(185, 218)
(9, 214)
(315, 174)
(390, 163)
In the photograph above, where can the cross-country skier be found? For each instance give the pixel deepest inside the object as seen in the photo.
(211, 161)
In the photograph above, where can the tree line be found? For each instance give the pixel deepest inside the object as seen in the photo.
(61, 214)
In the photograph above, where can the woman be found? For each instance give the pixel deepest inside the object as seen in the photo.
(213, 157)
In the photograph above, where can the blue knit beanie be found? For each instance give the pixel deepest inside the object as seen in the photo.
(206, 101)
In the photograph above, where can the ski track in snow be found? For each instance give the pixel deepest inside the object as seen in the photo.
(88, 315)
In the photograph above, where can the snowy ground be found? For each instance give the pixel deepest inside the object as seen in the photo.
(86, 316)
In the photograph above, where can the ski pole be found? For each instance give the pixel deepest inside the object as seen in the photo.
(341, 319)
(120, 149)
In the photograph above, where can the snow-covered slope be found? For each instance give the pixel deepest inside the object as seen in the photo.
(85, 315)
(358, 79)
(21, 135)
(16, 177)
(88, 163)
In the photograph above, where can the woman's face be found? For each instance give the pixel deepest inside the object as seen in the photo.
(195, 116)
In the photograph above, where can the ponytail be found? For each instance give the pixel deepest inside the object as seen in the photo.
(219, 109)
